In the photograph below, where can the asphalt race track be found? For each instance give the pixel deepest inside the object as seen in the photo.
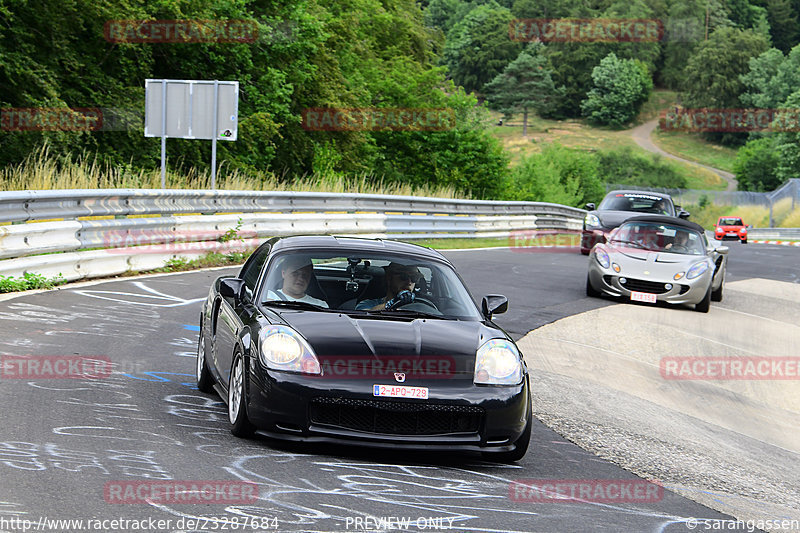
(63, 441)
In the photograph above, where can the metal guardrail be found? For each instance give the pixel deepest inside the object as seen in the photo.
(151, 226)
(27, 206)
(773, 233)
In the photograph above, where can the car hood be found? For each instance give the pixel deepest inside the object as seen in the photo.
(612, 219)
(730, 228)
(428, 345)
(655, 266)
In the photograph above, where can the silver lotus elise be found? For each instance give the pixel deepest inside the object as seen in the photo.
(655, 258)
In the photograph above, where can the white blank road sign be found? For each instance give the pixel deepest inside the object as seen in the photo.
(190, 109)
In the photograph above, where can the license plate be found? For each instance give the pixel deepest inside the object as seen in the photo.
(732, 235)
(643, 297)
(400, 391)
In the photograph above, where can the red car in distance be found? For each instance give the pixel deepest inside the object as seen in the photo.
(730, 228)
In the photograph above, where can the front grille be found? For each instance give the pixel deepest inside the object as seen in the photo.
(395, 417)
(641, 285)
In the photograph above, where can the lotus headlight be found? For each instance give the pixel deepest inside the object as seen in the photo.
(678, 276)
(697, 270)
(602, 257)
(498, 363)
(282, 348)
(591, 220)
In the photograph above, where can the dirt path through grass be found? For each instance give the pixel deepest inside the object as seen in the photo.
(641, 135)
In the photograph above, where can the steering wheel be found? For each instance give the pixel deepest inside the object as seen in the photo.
(419, 299)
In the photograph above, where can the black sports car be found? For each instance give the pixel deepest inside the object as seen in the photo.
(616, 207)
(367, 342)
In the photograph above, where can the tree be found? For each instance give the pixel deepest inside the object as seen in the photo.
(756, 165)
(783, 22)
(712, 75)
(787, 143)
(478, 47)
(621, 86)
(526, 83)
(771, 79)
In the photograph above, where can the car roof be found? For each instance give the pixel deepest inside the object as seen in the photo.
(646, 193)
(360, 244)
(664, 219)
(729, 216)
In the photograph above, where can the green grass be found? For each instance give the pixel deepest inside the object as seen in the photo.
(29, 281)
(755, 215)
(577, 134)
(41, 171)
(658, 101)
(693, 147)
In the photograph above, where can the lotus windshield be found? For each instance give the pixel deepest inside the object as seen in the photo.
(362, 283)
(656, 237)
(638, 202)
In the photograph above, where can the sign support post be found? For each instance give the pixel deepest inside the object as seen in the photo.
(214, 139)
(163, 135)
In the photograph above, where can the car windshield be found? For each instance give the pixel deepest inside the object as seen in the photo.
(362, 283)
(730, 222)
(638, 202)
(660, 238)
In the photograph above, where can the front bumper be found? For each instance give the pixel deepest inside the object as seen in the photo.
(683, 291)
(730, 236)
(458, 415)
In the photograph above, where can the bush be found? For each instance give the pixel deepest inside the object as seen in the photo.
(29, 281)
(755, 165)
(559, 175)
(625, 167)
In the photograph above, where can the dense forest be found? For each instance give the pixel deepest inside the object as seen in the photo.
(452, 54)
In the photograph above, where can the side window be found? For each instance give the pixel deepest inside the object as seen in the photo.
(252, 268)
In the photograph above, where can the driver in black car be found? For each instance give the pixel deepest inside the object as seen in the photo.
(400, 282)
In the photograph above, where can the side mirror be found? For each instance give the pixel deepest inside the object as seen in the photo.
(722, 249)
(494, 304)
(749, 226)
(232, 288)
(684, 214)
(590, 207)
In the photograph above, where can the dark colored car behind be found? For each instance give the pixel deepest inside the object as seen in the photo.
(616, 207)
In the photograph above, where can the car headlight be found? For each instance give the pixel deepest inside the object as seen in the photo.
(697, 270)
(282, 348)
(678, 276)
(591, 220)
(497, 363)
(602, 257)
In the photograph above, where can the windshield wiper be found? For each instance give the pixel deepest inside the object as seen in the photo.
(294, 305)
(407, 313)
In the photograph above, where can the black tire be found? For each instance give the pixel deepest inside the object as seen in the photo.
(591, 292)
(705, 304)
(205, 381)
(237, 399)
(744, 241)
(716, 296)
(585, 252)
(520, 446)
